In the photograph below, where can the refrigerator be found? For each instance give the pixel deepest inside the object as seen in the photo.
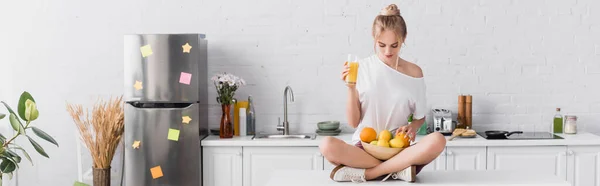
(166, 108)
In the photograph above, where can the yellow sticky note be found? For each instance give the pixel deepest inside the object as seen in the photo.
(136, 144)
(138, 85)
(186, 119)
(156, 172)
(146, 50)
(173, 135)
(186, 48)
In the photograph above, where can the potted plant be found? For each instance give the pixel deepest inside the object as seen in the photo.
(226, 85)
(101, 131)
(28, 112)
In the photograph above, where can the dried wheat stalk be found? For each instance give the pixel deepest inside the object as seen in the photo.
(102, 131)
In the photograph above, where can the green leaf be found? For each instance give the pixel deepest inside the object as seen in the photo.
(2, 139)
(24, 153)
(44, 135)
(21, 108)
(7, 165)
(14, 122)
(16, 156)
(38, 148)
(31, 111)
(2, 115)
(10, 110)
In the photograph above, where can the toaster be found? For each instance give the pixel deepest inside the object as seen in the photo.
(442, 121)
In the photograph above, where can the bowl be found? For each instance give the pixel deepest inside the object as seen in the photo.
(381, 153)
(328, 125)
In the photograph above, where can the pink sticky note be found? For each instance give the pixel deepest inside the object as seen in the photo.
(185, 78)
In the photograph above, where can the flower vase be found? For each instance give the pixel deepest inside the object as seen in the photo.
(226, 126)
(101, 176)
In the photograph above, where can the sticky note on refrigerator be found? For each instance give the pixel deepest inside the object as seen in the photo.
(156, 172)
(185, 78)
(146, 50)
(136, 144)
(186, 119)
(138, 85)
(186, 48)
(173, 135)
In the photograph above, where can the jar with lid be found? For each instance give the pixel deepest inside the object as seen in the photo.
(570, 124)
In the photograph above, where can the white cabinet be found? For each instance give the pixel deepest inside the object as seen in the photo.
(222, 166)
(466, 158)
(583, 165)
(260, 162)
(550, 159)
(438, 164)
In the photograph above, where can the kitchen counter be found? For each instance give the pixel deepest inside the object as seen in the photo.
(426, 178)
(581, 138)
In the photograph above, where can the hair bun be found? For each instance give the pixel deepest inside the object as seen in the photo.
(390, 10)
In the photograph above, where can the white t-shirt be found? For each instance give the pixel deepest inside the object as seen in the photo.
(387, 97)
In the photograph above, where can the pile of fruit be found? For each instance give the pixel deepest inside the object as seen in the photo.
(369, 135)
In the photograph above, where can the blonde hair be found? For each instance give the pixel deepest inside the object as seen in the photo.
(390, 19)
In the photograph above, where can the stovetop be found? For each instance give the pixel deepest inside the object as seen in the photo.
(526, 136)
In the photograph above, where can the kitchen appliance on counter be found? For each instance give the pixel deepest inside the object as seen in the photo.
(442, 121)
(166, 110)
(518, 135)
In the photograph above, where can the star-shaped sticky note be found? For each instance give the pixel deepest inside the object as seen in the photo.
(146, 50)
(185, 78)
(186, 119)
(186, 48)
(156, 172)
(173, 135)
(138, 85)
(136, 144)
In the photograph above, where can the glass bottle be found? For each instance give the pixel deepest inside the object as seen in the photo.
(250, 117)
(558, 122)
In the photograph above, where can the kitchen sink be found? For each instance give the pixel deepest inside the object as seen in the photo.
(281, 136)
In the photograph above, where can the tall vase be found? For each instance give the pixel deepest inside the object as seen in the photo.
(226, 126)
(101, 176)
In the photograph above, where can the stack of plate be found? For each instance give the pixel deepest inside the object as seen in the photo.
(328, 128)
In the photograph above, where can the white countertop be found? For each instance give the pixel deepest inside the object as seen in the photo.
(425, 178)
(581, 138)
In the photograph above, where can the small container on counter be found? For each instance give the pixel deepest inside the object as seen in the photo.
(242, 117)
(250, 117)
(570, 124)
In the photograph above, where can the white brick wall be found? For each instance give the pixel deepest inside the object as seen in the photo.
(519, 59)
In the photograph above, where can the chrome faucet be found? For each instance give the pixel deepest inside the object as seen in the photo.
(286, 125)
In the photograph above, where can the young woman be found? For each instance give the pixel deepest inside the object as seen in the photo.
(387, 91)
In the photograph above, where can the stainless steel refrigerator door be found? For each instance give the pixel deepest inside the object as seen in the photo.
(179, 160)
(158, 66)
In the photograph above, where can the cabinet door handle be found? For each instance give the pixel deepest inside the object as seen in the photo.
(450, 153)
(570, 153)
(319, 154)
(239, 154)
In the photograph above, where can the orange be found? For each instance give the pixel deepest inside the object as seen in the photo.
(405, 139)
(368, 134)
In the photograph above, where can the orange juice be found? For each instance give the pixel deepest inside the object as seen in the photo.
(352, 73)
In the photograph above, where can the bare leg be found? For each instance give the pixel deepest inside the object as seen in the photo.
(423, 152)
(339, 152)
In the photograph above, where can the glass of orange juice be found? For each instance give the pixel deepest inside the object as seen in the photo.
(353, 71)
